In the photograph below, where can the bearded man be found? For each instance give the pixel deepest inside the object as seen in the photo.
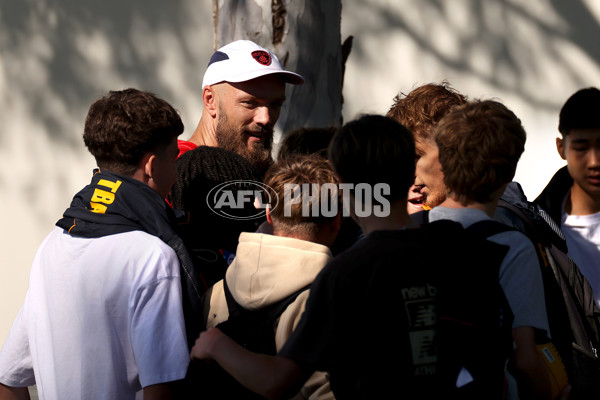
(243, 91)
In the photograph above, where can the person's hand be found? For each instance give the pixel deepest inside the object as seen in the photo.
(204, 343)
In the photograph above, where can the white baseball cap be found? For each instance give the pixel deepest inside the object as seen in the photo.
(243, 60)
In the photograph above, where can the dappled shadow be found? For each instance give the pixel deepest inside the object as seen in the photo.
(73, 51)
(56, 58)
(583, 27)
(513, 46)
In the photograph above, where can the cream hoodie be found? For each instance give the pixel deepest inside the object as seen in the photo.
(267, 269)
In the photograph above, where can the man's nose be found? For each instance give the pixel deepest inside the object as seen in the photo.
(263, 116)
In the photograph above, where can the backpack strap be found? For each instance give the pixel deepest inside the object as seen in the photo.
(275, 311)
(530, 228)
(205, 307)
(271, 312)
(232, 305)
(536, 224)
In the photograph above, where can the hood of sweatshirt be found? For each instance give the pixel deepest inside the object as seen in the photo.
(269, 268)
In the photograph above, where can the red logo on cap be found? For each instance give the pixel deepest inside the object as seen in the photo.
(262, 57)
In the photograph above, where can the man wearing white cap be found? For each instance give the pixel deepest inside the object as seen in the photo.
(243, 91)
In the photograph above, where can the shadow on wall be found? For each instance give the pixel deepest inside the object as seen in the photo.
(56, 58)
(528, 48)
(73, 51)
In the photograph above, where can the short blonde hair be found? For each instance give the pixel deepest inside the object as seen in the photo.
(300, 170)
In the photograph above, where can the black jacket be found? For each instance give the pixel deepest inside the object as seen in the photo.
(554, 193)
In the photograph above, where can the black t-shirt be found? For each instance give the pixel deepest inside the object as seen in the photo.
(370, 318)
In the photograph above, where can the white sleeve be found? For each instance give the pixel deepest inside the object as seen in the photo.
(158, 332)
(16, 365)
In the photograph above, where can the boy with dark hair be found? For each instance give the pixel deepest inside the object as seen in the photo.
(572, 197)
(478, 146)
(103, 313)
(383, 283)
(420, 111)
(211, 238)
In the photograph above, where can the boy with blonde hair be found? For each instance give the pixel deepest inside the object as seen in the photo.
(272, 269)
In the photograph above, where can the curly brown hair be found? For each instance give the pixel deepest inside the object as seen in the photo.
(313, 171)
(423, 108)
(479, 145)
(124, 125)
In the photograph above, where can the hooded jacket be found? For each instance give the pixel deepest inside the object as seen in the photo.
(267, 269)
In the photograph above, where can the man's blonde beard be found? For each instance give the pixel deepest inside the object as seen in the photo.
(231, 139)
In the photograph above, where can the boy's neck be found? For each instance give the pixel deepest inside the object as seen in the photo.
(488, 208)
(579, 202)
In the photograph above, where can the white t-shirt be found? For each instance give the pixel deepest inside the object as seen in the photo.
(102, 319)
(583, 241)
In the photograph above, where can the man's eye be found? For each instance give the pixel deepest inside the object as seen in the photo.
(248, 104)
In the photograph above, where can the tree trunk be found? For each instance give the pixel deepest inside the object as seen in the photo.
(305, 36)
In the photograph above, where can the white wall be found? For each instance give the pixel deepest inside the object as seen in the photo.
(529, 54)
(57, 57)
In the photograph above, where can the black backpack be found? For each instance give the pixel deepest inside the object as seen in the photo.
(573, 316)
(252, 329)
(474, 322)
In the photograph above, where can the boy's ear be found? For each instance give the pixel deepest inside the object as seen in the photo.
(268, 214)
(560, 147)
(143, 172)
(148, 161)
